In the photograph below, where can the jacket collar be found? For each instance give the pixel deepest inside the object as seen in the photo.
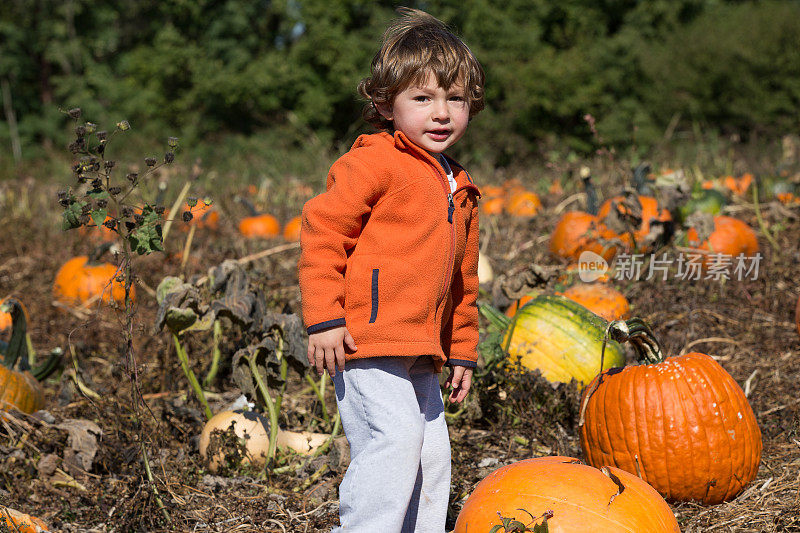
(462, 177)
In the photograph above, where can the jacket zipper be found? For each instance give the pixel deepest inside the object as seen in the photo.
(450, 210)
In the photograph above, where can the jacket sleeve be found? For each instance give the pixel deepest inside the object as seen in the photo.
(331, 225)
(464, 337)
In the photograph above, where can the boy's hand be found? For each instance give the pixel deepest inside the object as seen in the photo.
(326, 349)
(460, 379)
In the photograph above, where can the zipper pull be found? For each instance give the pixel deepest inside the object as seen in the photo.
(451, 207)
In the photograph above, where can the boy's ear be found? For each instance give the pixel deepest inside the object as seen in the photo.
(384, 109)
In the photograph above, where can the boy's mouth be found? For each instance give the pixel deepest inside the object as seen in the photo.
(438, 135)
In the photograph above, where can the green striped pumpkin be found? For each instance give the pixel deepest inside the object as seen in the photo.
(559, 337)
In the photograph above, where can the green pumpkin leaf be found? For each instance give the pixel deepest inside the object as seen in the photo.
(178, 320)
(99, 216)
(147, 237)
(71, 216)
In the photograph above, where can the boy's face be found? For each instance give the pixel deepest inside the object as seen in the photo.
(430, 116)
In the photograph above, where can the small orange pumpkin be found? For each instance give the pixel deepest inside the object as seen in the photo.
(682, 423)
(569, 496)
(494, 199)
(78, 281)
(577, 232)
(523, 203)
(599, 298)
(738, 185)
(291, 231)
(730, 237)
(21, 522)
(264, 226)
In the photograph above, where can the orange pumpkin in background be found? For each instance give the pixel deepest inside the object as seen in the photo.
(78, 282)
(291, 231)
(493, 201)
(650, 212)
(682, 423)
(523, 203)
(570, 495)
(264, 226)
(730, 237)
(577, 232)
(599, 298)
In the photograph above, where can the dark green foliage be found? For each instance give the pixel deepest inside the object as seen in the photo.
(245, 67)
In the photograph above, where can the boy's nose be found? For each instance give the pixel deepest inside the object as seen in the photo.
(440, 111)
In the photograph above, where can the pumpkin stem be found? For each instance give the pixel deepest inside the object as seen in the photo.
(591, 192)
(494, 316)
(638, 333)
(98, 252)
(17, 347)
(248, 205)
(52, 363)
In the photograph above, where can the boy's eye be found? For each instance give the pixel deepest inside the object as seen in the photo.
(420, 98)
(457, 98)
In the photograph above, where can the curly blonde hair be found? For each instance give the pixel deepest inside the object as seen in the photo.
(414, 46)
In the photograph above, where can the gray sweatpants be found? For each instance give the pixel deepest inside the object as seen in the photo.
(392, 413)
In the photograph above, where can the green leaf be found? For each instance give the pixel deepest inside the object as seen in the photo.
(71, 216)
(541, 528)
(177, 320)
(166, 286)
(495, 529)
(191, 202)
(99, 216)
(147, 238)
(98, 194)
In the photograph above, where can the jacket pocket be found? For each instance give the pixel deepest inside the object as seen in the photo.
(388, 292)
(373, 314)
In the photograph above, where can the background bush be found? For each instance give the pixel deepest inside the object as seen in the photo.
(287, 70)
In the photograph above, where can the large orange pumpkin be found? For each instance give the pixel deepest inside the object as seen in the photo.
(78, 282)
(650, 212)
(574, 496)
(681, 422)
(264, 226)
(730, 237)
(577, 232)
(599, 298)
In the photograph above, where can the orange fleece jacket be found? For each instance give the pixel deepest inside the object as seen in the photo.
(390, 253)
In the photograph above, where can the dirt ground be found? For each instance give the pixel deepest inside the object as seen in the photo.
(78, 464)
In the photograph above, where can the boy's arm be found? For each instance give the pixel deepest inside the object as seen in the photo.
(331, 225)
(464, 339)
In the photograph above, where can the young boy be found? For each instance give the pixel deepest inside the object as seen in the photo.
(388, 277)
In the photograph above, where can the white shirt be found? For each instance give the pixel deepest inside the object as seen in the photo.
(448, 171)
